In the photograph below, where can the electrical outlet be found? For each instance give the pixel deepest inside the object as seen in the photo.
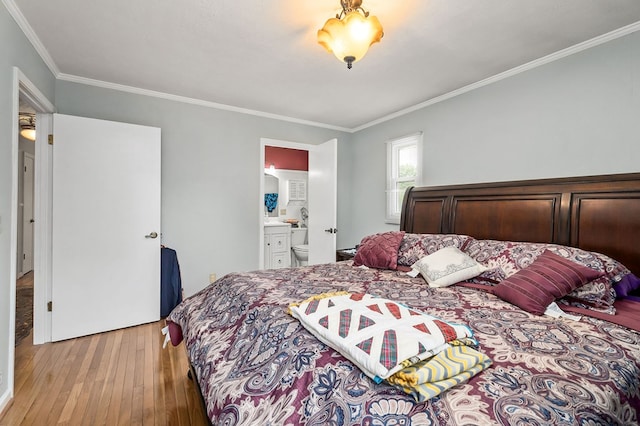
(212, 278)
(283, 212)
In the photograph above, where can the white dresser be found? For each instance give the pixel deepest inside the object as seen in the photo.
(277, 245)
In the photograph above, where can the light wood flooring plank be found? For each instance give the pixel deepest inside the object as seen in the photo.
(148, 405)
(120, 377)
(103, 358)
(78, 387)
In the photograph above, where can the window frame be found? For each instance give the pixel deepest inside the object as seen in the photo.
(393, 212)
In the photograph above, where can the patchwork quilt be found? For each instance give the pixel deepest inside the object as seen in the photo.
(386, 339)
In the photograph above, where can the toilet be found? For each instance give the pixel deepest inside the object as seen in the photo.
(299, 246)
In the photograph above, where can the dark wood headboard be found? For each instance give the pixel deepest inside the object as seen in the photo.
(595, 213)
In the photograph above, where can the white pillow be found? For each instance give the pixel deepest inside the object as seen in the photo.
(448, 266)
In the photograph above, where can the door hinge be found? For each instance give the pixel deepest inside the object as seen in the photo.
(49, 306)
(50, 139)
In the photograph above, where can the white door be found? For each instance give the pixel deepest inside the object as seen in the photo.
(106, 211)
(322, 202)
(27, 214)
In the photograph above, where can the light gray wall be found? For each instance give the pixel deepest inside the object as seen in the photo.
(211, 173)
(15, 50)
(574, 117)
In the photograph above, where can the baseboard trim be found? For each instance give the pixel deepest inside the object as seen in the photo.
(5, 399)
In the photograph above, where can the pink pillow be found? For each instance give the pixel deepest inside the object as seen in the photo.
(548, 278)
(379, 251)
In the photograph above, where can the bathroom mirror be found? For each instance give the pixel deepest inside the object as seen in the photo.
(271, 201)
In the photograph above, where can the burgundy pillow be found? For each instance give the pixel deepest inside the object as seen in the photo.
(379, 251)
(548, 278)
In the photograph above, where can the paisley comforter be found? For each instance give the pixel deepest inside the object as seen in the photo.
(257, 365)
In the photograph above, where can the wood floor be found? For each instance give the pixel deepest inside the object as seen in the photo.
(123, 377)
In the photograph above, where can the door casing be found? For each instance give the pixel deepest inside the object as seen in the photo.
(23, 87)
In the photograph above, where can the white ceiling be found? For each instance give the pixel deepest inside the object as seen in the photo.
(262, 55)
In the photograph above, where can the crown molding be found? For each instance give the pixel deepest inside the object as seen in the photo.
(193, 101)
(596, 41)
(17, 15)
(48, 60)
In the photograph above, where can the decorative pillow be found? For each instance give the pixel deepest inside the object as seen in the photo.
(416, 246)
(379, 251)
(626, 285)
(447, 266)
(598, 295)
(502, 258)
(548, 278)
(505, 258)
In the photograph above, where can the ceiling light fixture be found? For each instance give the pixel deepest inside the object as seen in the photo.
(28, 125)
(350, 33)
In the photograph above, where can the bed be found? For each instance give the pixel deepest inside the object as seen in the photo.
(256, 364)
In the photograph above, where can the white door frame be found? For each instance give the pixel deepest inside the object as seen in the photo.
(22, 86)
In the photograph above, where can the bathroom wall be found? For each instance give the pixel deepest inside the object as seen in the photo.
(289, 164)
(289, 209)
(286, 158)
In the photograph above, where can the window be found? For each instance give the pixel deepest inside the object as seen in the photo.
(404, 169)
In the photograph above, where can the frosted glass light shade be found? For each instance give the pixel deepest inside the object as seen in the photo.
(28, 134)
(349, 38)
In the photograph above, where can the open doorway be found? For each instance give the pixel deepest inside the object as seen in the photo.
(25, 220)
(320, 191)
(25, 93)
(286, 177)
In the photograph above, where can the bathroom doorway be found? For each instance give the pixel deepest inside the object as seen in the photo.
(299, 196)
(286, 177)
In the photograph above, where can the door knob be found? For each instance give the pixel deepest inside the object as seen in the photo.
(331, 230)
(152, 235)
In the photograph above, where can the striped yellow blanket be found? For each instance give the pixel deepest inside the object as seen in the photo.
(431, 377)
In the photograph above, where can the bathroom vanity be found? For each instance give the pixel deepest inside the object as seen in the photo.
(277, 245)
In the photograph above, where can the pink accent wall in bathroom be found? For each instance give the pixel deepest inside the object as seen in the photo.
(286, 158)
